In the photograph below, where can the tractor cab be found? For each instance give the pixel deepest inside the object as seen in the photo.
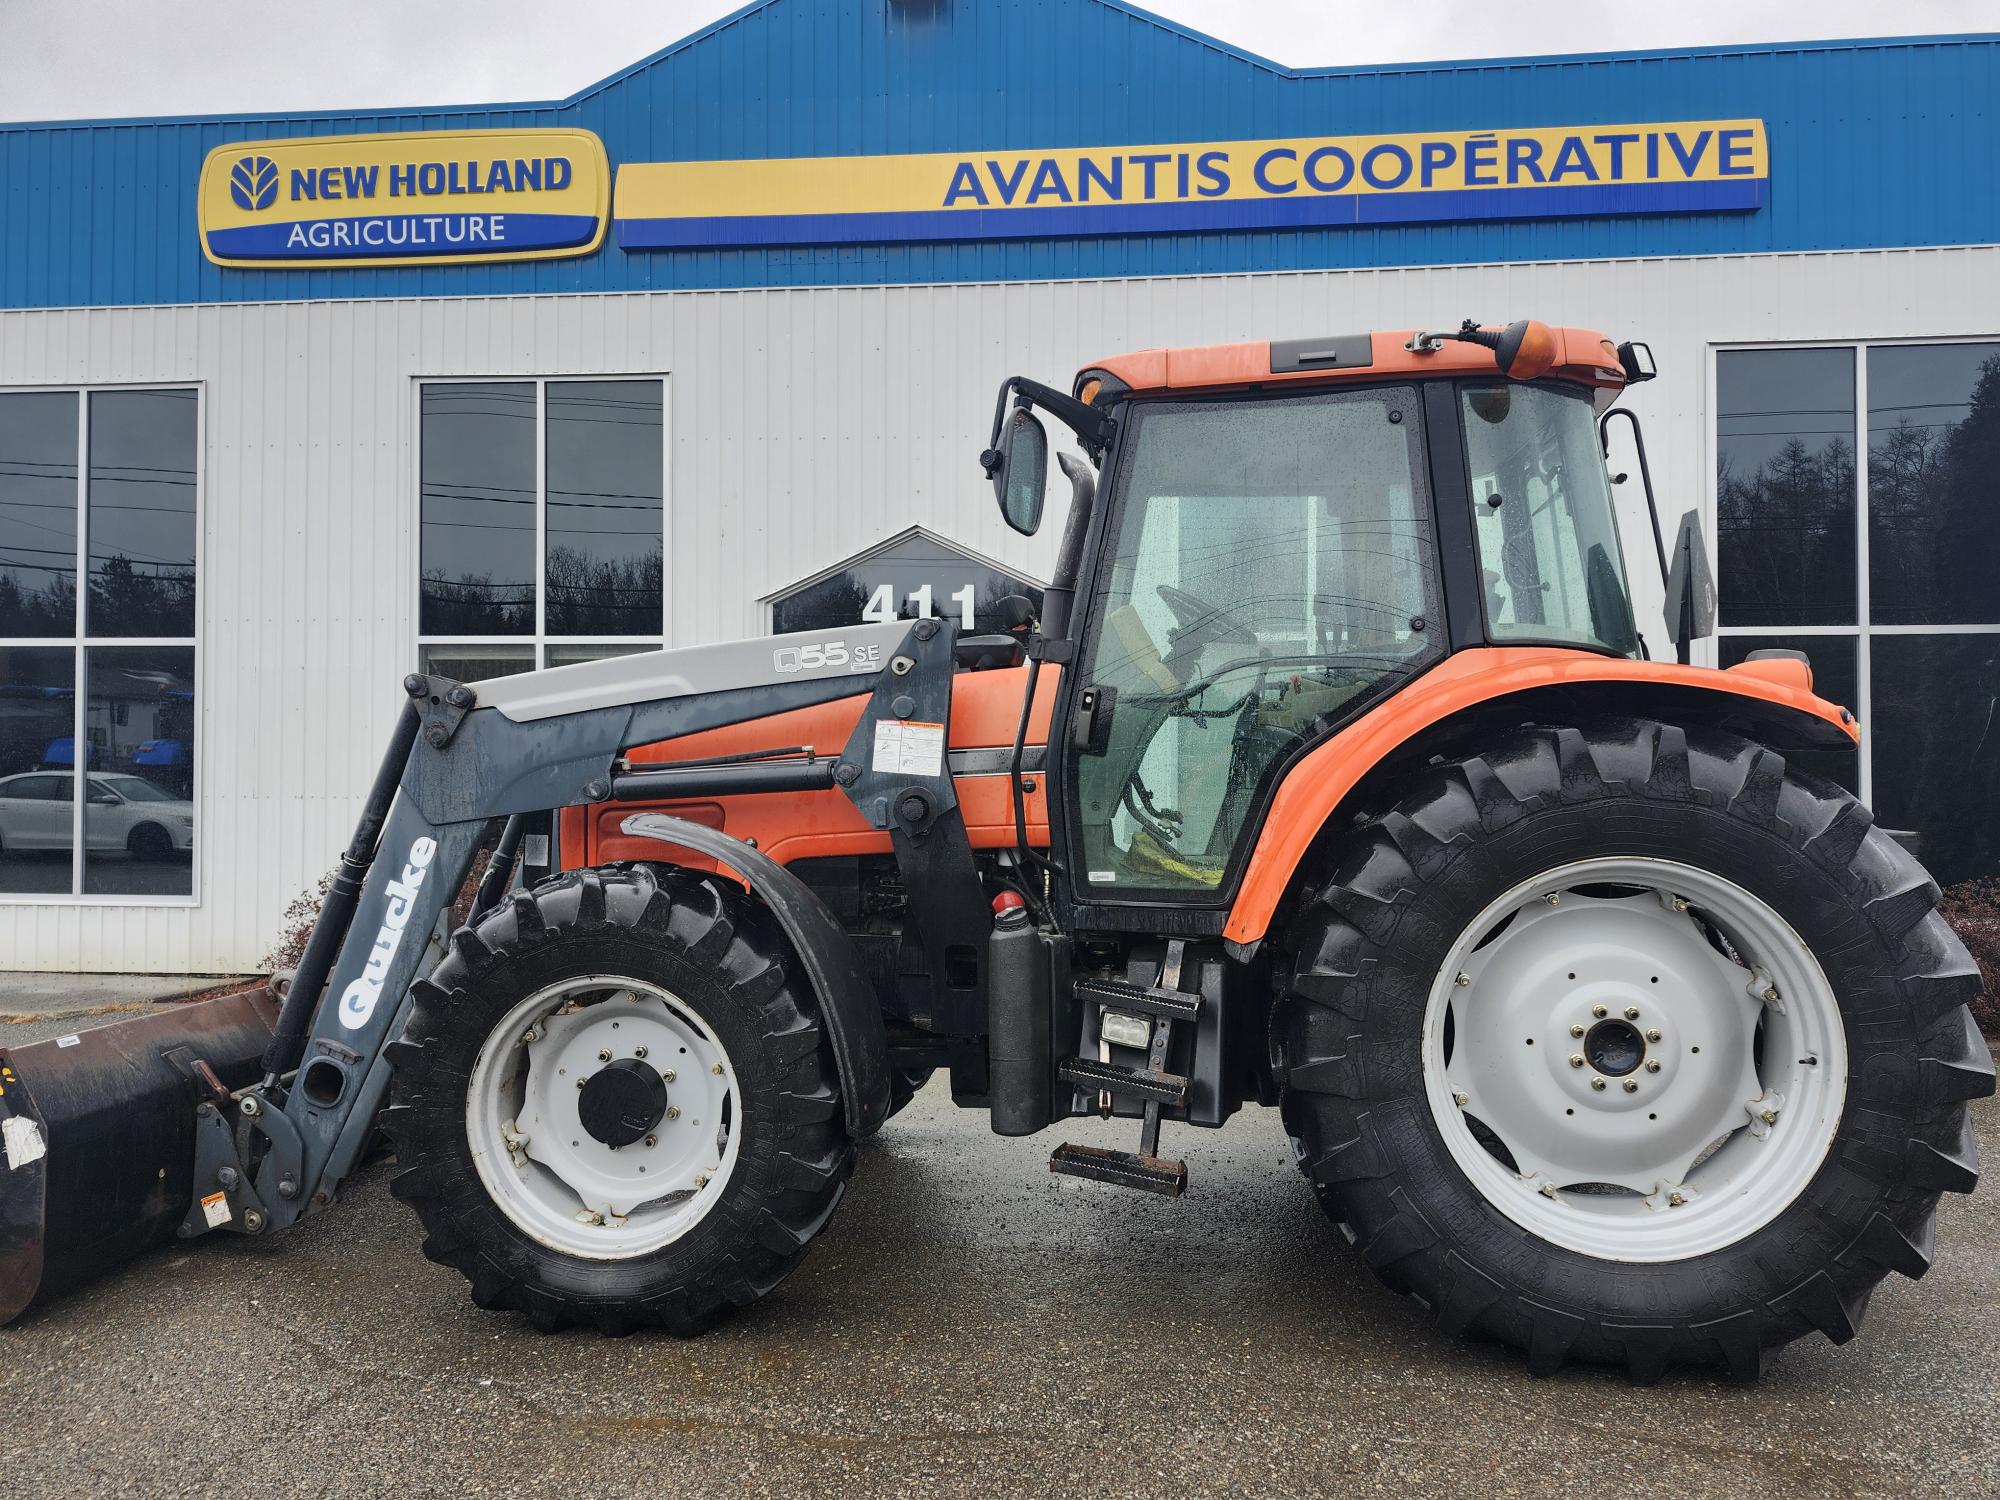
(1286, 533)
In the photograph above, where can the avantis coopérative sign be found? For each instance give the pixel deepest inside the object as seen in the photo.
(423, 198)
(1701, 166)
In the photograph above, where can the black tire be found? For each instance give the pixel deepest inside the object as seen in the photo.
(716, 950)
(1393, 892)
(150, 842)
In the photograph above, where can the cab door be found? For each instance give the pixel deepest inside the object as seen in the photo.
(1269, 571)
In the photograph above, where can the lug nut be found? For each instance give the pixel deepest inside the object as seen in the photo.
(1599, 1011)
(1576, 1059)
(668, 1074)
(1631, 1012)
(652, 1140)
(1653, 1035)
(716, 1069)
(1461, 1099)
(1576, 1030)
(701, 1179)
(1463, 979)
(638, 1051)
(1680, 903)
(1598, 1084)
(1653, 1065)
(673, 1111)
(579, 1083)
(1553, 899)
(1631, 1085)
(604, 1054)
(1675, 1200)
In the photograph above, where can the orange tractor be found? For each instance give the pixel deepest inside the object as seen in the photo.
(1333, 774)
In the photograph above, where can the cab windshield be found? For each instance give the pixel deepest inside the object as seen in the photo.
(1548, 535)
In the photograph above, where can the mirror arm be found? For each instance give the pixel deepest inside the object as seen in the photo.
(1089, 424)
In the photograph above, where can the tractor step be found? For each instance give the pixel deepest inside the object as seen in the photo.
(1151, 1000)
(1094, 1077)
(1150, 1174)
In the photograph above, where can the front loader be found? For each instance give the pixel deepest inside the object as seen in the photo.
(1335, 774)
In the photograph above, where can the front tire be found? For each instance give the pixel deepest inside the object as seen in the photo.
(686, 1173)
(1411, 967)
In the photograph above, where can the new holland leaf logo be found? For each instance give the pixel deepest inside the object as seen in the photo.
(253, 182)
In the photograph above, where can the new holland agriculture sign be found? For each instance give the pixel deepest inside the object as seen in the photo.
(1701, 166)
(479, 195)
(415, 199)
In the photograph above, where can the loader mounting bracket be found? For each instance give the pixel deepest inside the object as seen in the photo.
(443, 704)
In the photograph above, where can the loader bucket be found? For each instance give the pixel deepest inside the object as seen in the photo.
(99, 1137)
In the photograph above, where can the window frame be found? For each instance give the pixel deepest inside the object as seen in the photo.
(79, 643)
(1863, 630)
(538, 643)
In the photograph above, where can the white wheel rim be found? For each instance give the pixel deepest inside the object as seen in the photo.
(1635, 1173)
(547, 1173)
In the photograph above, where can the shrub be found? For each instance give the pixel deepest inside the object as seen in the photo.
(1973, 909)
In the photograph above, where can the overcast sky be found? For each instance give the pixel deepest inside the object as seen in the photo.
(69, 59)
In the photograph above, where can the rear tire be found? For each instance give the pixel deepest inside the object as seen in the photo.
(710, 963)
(150, 842)
(1391, 908)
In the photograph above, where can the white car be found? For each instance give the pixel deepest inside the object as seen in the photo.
(122, 812)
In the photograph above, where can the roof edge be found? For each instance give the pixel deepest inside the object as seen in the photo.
(1122, 7)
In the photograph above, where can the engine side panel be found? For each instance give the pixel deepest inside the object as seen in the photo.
(815, 825)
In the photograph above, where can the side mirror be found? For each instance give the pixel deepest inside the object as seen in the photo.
(1021, 475)
(1690, 589)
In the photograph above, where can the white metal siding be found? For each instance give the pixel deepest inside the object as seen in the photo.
(806, 424)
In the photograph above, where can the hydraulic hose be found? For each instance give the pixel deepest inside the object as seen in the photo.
(336, 913)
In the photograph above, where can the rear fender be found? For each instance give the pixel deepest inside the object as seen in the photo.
(1770, 698)
(848, 1002)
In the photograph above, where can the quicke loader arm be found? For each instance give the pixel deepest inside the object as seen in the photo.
(256, 1155)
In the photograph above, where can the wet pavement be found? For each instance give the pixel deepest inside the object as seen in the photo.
(968, 1324)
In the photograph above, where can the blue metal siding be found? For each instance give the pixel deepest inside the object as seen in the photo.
(1880, 143)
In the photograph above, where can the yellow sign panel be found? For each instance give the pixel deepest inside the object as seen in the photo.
(1557, 171)
(427, 198)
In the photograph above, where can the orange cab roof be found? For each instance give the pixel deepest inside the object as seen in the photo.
(1582, 354)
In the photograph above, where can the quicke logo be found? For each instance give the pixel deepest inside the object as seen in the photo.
(358, 1001)
(253, 182)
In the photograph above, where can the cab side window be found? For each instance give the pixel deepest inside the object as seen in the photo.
(1272, 572)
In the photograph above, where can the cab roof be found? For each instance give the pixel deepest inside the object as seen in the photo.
(1582, 354)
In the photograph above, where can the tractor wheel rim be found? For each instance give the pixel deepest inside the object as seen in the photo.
(1635, 1059)
(545, 1169)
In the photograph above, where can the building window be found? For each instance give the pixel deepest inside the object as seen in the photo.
(98, 540)
(1856, 521)
(543, 523)
(911, 575)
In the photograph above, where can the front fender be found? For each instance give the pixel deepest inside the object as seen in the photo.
(1545, 679)
(847, 1000)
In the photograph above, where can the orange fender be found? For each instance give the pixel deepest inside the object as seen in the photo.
(1315, 786)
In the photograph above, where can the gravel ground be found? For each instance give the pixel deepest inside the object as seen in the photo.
(968, 1322)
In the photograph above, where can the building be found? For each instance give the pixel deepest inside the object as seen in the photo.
(293, 403)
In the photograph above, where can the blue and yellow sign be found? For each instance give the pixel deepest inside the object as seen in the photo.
(428, 198)
(1701, 166)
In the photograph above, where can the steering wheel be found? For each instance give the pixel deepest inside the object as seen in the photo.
(1198, 622)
